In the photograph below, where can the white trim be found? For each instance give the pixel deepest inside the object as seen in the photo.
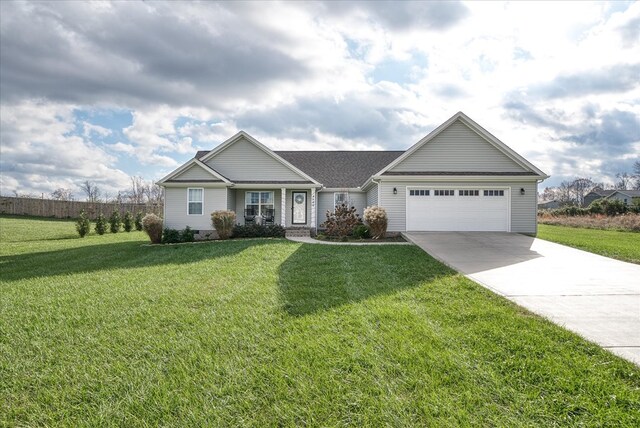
(283, 207)
(474, 127)
(270, 186)
(204, 185)
(507, 194)
(241, 134)
(188, 201)
(346, 200)
(260, 204)
(314, 208)
(480, 178)
(189, 164)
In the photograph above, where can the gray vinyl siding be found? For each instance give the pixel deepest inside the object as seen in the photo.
(231, 200)
(244, 161)
(326, 201)
(458, 148)
(372, 196)
(523, 207)
(176, 216)
(195, 172)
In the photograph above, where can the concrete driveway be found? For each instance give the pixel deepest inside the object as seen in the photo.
(594, 296)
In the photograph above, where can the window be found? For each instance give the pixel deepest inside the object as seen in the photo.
(421, 192)
(494, 192)
(340, 198)
(444, 192)
(468, 193)
(259, 202)
(195, 201)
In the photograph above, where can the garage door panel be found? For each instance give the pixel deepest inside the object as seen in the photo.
(458, 213)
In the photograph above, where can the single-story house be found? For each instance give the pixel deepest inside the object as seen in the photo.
(625, 196)
(549, 205)
(596, 194)
(457, 178)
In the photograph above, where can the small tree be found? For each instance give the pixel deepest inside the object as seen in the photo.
(83, 225)
(138, 220)
(114, 222)
(376, 218)
(152, 225)
(223, 222)
(127, 222)
(101, 224)
(342, 221)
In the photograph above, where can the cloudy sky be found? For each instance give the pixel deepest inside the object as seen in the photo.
(103, 91)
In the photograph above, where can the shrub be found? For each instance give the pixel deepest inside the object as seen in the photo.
(152, 225)
(223, 222)
(361, 232)
(101, 224)
(114, 222)
(342, 221)
(187, 235)
(138, 220)
(376, 218)
(170, 236)
(258, 231)
(83, 225)
(608, 207)
(127, 222)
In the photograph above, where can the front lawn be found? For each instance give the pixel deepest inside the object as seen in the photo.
(107, 331)
(610, 243)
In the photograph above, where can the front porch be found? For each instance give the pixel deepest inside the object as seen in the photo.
(291, 207)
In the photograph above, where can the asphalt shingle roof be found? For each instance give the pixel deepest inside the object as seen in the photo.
(340, 169)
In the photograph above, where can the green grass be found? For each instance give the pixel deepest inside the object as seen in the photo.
(610, 243)
(108, 331)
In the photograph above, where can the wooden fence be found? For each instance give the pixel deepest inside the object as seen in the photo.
(70, 209)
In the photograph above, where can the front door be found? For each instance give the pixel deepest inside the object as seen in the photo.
(299, 207)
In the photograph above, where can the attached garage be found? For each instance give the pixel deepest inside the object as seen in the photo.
(452, 208)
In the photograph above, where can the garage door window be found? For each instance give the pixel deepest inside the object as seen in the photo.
(468, 193)
(420, 192)
(444, 192)
(494, 192)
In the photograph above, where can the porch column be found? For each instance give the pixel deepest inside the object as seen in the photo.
(283, 207)
(314, 215)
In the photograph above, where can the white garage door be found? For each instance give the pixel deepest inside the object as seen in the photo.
(453, 209)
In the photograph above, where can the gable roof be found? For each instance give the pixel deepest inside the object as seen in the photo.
(215, 176)
(499, 145)
(243, 135)
(629, 193)
(602, 193)
(340, 169)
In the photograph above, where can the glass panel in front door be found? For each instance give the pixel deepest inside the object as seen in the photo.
(299, 207)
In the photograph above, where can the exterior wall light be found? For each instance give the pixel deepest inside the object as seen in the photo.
(395, 191)
(522, 190)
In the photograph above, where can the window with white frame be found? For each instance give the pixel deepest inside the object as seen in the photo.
(195, 201)
(259, 202)
(340, 198)
(419, 192)
(468, 193)
(440, 192)
(494, 193)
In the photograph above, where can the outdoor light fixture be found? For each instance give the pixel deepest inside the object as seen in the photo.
(395, 191)
(522, 190)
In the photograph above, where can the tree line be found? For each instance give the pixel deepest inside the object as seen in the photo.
(572, 192)
(140, 191)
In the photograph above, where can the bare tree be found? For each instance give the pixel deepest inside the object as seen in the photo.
(90, 189)
(565, 194)
(580, 187)
(138, 190)
(636, 175)
(62, 194)
(625, 181)
(155, 193)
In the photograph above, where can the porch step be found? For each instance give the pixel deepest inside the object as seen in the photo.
(298, 233)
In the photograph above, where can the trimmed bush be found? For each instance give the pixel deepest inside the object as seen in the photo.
(258, 231)
(101, 224)
(83, 225)
(361, 232)
(127, 222)
(223, 222)
(341, 222)
(376, 218)
(152, 225)
(138, 220)
(170, 236)
(187, 235)
(114, 222)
